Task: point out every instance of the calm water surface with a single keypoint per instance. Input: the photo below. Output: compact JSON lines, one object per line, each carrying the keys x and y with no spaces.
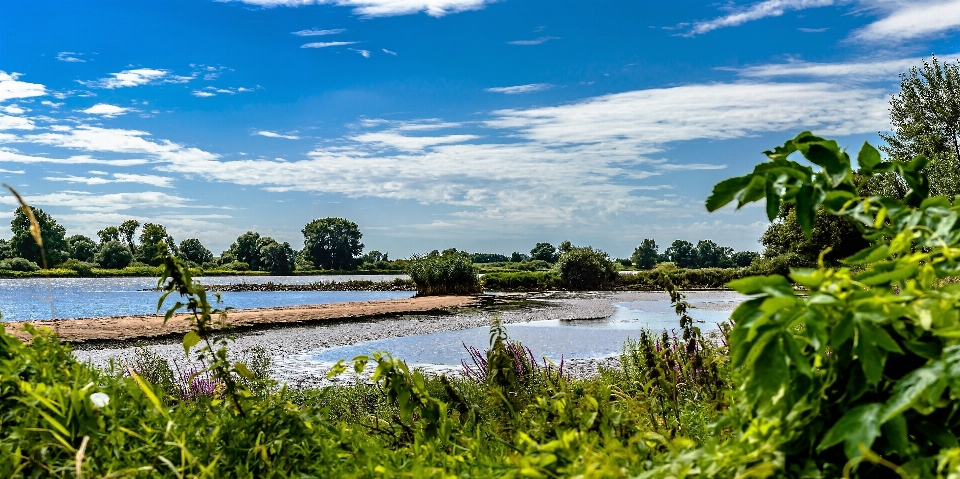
{"x":25,"y":299}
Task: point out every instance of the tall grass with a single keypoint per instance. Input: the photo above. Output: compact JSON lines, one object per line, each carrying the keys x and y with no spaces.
{"x":448,"y":273}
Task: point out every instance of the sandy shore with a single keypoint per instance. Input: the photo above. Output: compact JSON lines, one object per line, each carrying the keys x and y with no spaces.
{"x":292,"y":346}
{"x":121,"y":328}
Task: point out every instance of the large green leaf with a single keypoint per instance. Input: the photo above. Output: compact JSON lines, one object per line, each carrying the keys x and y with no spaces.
{"x":725,"y":192}
{"x":859,"y":425}
{"x":926,"y":381}
{"x":868,"y":156}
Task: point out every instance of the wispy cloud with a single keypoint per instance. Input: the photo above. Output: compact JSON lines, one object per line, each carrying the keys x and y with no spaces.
{"x":11,"y":87}
{"x":514,"y":90}
{"x":106,"y":110}
{"x":394,"y":139}
{"x":12,"y":110}
{"x":812,"y":30}
{"x":51,"y":104}
{"x":756,"y":11}
{"x":535,"y":41}
{"x":12,"y":172}
{"x":214,"y":91}
{"x":8,"y":122}
{"x":95,"y":202}
{"x":69,"y":57}
{"x":862,"y":70}
{"x":388,"y":52}
{"x":383,"y":8}
{"x":326,"y":44}
{"x":364,"y":53}
{"x":912,"y":20}
{"x":313,"y":32}
{"x":270,"y":134}
{"x":152,"y":180}
{"x":13,"y":156}
{"x":136,"y":77}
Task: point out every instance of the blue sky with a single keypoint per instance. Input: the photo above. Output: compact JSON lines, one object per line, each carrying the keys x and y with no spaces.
{"x":475,"y":124}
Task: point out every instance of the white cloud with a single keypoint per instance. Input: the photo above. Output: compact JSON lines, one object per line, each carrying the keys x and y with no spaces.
{"x":384,"y":8}
{"x":764,"y":9}
{"x":69,"y":57}
{"x":326,"y":44}
{"x":106,"y":110}
{"x":365,"y":53}
{"x":153,"y":180}
{"x":11,"y":87}
{"x":136,"y":77}
{"x":12,"y":172}
{"x":12,"y":110}
{"x":513,"y":90}
{"x":396,"y":140}
{"x":202,"y":94}
{"x":867,"y":69}
{"x":13,"y":156}
{"x":812,"y":30}
{"x":213,"y":91}
{"x":95,"y":202}
{"x":313,"y":32}
{"x":912,"y":20}
{"x":690,"y":166}
{"x":51,"y":104}
{"x":535,"y":41}
{"x":8,"y":122}
{"x":388,"y":52}
{"x":270,"y":134}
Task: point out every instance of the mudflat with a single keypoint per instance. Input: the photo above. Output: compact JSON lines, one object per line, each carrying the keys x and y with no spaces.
{"x":152,"y":326}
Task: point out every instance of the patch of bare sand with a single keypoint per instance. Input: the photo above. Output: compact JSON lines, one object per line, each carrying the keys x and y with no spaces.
{"x":153,"y":326}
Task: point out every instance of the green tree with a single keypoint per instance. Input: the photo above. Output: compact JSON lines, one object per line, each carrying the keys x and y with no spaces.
{"x":151,"y":235}
{"x":53,"y":235}
{"x":192,"y":249}
{"x":682,"y":253}
{"x":108,"y":234}
{"x":247,"y":249}
{"x":742,"y":259}
{"x":584,"y":268}
{"x":646,"y":255}
{"x":544,"y":252}
{"x":6,"y":251}
{"x":712,"y":255}
{"x":276,"y":258}
{"x":784,"y":239}
{"x":925,"y":116}
{"x":82,"y":248}
{"x":114,"y":255}
{"x":128,"y":230}
{"x":332,"y":243}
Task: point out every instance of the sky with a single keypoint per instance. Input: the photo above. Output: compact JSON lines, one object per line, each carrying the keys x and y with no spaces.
{"x":482,"y":125}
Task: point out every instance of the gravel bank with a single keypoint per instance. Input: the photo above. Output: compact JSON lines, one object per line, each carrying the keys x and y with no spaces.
{"x":289,"y":346}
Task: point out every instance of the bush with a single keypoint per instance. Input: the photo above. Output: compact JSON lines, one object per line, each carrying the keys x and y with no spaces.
{"x":521,"y":281}
{"x":448,"y":273}
{"x":81,"y":267}
{"x":114,"y":255}
{"x":19,"y":264}
{"x":236,"y":266}
{"x":585,"y":269}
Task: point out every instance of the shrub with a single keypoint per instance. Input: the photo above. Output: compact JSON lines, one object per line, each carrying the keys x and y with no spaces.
{"x":236,"y":266}
{"x":584,"y":268}
{"x":449,"y":273}
{"x":114,"y":255}
{"x":521,"y":281}
{"x":19,"y":264}
{"x":81,"y":267}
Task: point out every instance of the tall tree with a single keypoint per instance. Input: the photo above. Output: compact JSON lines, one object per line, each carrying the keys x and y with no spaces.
{"x":785,"y":238}
{"x":712,"y":255}
{"x":646,"y":255}
{"x":108,"y":234}
{"x":925,"y":116}
{"x":332,"y":243}
{"x":128,"y":230}
{"x":545,"y":252}
{"x":192,"y":249}
{"x":150,"y":236}
{"x":682,"y":253}
{"x":82,"y":248}
{"x":276,"y":258}
{"x":53,"y":235}
{"x":247,"y":249}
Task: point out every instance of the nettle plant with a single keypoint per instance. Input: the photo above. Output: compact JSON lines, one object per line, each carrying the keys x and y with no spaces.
{"x":857,"y":373}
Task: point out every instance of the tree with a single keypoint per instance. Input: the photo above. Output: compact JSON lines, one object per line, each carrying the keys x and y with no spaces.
{"x":247,"y":249}
{"x":6,"y":251}
{"x":489,"y":258}
{"x":544,"y":252}
{"x":711,"y":255}
{"x":585,"y":268}
{"x":82,"y":248}
{"x":646,"y":255}
{"x":742,"y":259}
{"x":925,"y":116}
{"x":53,"y":235}
{"x":518,"y":257}
{"x":785,"y":239}
{"x":277,"y":258}
{"x":150,"y":236}
{"x":127,"y":230}
{"x":682,"y":254}
{"x":114,"y":255}
{"x":192,"y":249}
{"x":332,"y":243}
{"x":564,"y":247}
{"x":108,"y":234}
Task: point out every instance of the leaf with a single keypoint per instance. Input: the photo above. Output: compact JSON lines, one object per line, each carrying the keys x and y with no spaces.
{"x":895,"y":432}
{"x":874,"y":278}
{"x":242,"y":370}
{"x":756,"y":189}
{"x":773,"y":202}
{"x":912,"y":387}
{"x":190,"y":340}
{"x":825,"y":154}
{"x":869,"y":255}
{"x":857,"y":426}
{"x":806,"y":210}
{"x":868,"y":156}
{"x":774,"y":284}
{"x":725,"y":191}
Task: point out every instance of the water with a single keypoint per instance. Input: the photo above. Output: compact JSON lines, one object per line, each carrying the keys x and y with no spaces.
{"x":583,"y":339}
{"x":27,"y":299}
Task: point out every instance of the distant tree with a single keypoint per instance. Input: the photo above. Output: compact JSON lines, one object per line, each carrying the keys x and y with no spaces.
{"x":6,"y":251}
{"x":373,"y":257}
{"x":108,"y":234}
{"x":544,"y":252}
{"x":784,"y":238}
{"x":585,"y":268}
{"x":646,"y":256}
{"x":192,"y":249}
{"x":114,"y":255}
{"x":925,"y":116}
{"x":489,"y":258}
{"x":128,"y":230}
{"x":277,"y":258}
{"x":742,"y":259}
{"x":150,"y":236}
{"x":565,"y":247}
{"x":332,"y":243}
{"x":518,"y":257}
{"x":711,"y":255}
{"x":247,"y":249}
{"x":683,"y":254}
{"x":82,"y":248}
{"x":53,"y":235}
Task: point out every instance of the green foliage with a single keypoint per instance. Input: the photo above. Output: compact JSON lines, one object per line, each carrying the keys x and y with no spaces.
{"x":192,"y":249}
{"x":277,"y":258}
{"x":54,"y":238}
{"x":646,"y":255}
{"x":247,"y":249}
{"x":584,"y":268}
{"x":521,"y":281}
{"x":682,"y":253}
{"x":113,"y":255}
{"x":785,"y":242}
{"x":108,"y":234}
{"x":332,"y":243}
{"x":82,"y":248}
{"x":19,"y":264}
{"x":449,"y":273}
{"x":489,"y":258}
{"x":82,"y":268}
{"x":544,"y":252}
{"x":149,"y":251}
{"x":127,"y":231}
